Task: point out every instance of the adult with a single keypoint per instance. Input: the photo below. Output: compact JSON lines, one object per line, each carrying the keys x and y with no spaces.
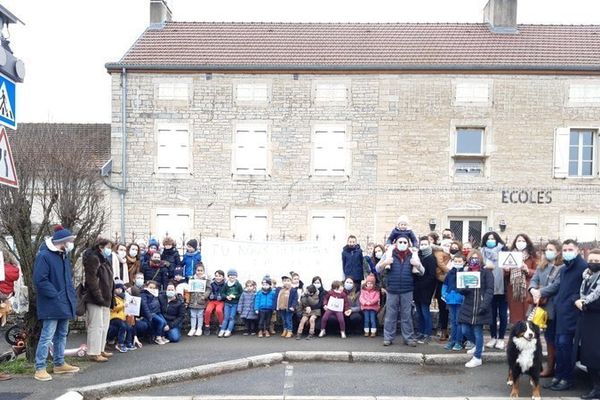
{"x":492,"y":245}
{"x":173,"y":310}
{"x":353,"y":264}
{"x":55,"y":301}
{"x":545,"y":282}
{"x":151,"y":313}
{"x":400,"y":264}
{"x":442,"y":258}
{"x":567,"y":314}
{"x":447,"y":234}
{"x":424,"y":287}
{"x":133,"y":261}
{"x":99,"y":284}
{"x":589,"y":322}
{"x":119,"y":263}
{"x":519,"y":303}
{"x":354,"y":321}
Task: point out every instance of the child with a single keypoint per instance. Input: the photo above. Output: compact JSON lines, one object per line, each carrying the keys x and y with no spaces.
{"x":197,"y":303}
{"x":246,"y":308}
{"x":231,"y":295}
{"x":337,"y":291}
{"x":401,"y":230}
{"x":118,"y":323}
{"x":274,"y":315}
{"x":287,"y":300}
{"x":172,"y":260}
{"x":453,"y":300}
{"x":191,"y":259}
{"x":310,"y":305}
{"x":264,"y":304}
{"x":369,"y":304}
{"x":215,"y":301}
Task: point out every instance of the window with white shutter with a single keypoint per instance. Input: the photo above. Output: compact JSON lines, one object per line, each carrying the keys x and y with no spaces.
{"x":249,"y":224}
{"x":328,"y":226}
{"x":584,"y":93}
{"x":331,"y":93}
{"x":252,"y":92}
{"x":582,"y":229}
{"x":173,"y":222}
{"x":575,"y":153}
{"x":561,"y":152}
{"x":471,"y":92}
{"x":251,"y":149}
{"x":329,"y":150}
{"x":173,"y":153}
{"x":173,"y":91}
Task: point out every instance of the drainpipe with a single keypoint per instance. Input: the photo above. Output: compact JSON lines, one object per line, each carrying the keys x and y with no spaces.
{"x":123,"y":188}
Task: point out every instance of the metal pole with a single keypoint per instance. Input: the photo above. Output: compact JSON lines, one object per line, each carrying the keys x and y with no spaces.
{"x":123,"y":147}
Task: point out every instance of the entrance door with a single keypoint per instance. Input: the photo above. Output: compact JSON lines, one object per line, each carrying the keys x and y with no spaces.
{"x":468,"y":229}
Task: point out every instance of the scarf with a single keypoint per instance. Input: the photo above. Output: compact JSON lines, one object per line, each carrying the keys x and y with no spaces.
{"x":401,"y":254}
{"x":518,"y":282}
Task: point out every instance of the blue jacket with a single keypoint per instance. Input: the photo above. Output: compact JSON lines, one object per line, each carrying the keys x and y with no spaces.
{"x":450,"y":293}
{"x":150,"y":305}
{"x":189,"y":262}
{"x":399,"y":277}
{"x":408,"y":234}
{"x":352,"y":263}
{"x":571,"y":276}
{"x":246,"y":305}
{"x":53,"y":283}
{"x":265,"y":301}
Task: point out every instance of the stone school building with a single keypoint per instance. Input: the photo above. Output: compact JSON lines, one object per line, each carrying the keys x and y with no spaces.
{"x":313,"y":131}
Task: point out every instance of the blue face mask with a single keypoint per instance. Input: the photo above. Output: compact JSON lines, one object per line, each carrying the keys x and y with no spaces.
{"x":491,"y":244}
{"x":106,"y":252}
{"x":569,"y":255}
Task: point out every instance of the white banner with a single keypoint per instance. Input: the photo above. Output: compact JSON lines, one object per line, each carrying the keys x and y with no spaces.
{"x":253,"y":260}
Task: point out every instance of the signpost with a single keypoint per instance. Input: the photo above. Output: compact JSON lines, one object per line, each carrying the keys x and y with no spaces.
{"x":8,"y":173}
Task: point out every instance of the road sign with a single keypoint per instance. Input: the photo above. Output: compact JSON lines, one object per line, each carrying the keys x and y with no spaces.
{"x":7,"y":102}
{"x":8,"y":173}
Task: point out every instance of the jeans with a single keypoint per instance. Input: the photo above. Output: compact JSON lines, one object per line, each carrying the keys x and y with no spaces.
{"x":550,"y":332}
{"x":286,"y":316}
{"x":54,"y":332}
{"x":565,"y":361}
{"x":173,"y":334}
{"x":216,"y":306}
{"x":456,"y":334}
{"x":398,"y":303}
{"x":122,"y":331}
{"x":158,"y":325}
{"x":264,"y":319}
{"x":475,"y":334}
{"x":142,"y":328}
{"x":370,"y":320}
{"x":230,"y":311}
{"x":425,"y":323}
{"x":196,"y":315}
{"x":499,"y":310}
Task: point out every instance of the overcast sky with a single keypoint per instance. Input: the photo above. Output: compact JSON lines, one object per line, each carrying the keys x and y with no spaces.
{"x":65,"y":43}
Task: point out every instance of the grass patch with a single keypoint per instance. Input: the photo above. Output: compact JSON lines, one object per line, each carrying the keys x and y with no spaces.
{"x":21,"y":366}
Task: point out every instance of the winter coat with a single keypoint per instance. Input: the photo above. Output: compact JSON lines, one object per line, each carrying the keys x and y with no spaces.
{"x":407,"y":233}
{"x":99,"y":281}
{"x":354,"y":299}
{"x":442,"y":259}
{"x":450,"y":293}
{"x":477,"y":306}
{"x":159,"y":274}
{"x":400,"y":277}
{"x":11,"y":275}
{"x":265,"y":301}
{"x":370,"y":263}
{"x":425,"y":284}
{"x":199,"y":300}
{"x":588,"y":326}
{"x":53,"y":283}
{"x":235,"y":290}
{"x":216,"y":291}
{"x":333,"y":293}
{"x":189,"y":262}
{"x":352,"y":263}
{"x":173,"y":311}
{"x":150,"y":305}
{"x":306,"y":300}
{"x":369,"y":299}
{"x":293,"y":299}
{"x":547,"y":280}
{"x":518,"y":308}
{"x":117,"y":311}
{"x":246,"y":305}
{"x":571,"y":276}
{"x":172,"y":260}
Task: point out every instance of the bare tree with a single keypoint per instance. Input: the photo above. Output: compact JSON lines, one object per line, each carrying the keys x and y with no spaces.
{"x":58,"y":183}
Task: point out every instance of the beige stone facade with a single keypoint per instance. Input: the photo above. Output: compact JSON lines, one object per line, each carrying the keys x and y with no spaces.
{"x":400,"y":144}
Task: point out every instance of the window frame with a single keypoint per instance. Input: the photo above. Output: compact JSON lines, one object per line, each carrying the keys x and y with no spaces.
{"x":249,"y":213}
{"x":253,"y":101}
{"x":173,"y":100}
{"x":251,"y":126}
{"x":457,"y":159}
{"x":319,"y":99}
{"x":583,"y":101}
{"x":580,"y":220}
{"x":328,"y":214}
{"x":170,"y":212}
{"x":162,"y":125}
{"x":580,"y":146}
{"x":459,"y":85}
{"x":331,"y":127}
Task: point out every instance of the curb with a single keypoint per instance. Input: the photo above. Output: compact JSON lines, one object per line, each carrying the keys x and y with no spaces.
{"x":102,"y":390}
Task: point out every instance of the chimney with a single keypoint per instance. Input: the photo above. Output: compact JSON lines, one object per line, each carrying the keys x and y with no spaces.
{"x":159,"y":12}
{"x":501,"y":15}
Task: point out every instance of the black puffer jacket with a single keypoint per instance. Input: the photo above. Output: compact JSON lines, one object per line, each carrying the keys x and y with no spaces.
{"x":477,"y":306}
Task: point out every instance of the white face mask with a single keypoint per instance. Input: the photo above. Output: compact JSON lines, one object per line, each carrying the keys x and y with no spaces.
{"x":153,"y":292}
{"x":521,"y":245}
{"x":133,"y":252}
{"x":378,"y":254}
{"x":402,"y":246}
{"x":69,"y":246}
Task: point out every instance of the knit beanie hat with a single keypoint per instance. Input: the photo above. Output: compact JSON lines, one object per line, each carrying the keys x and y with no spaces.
{"x":193,"y":243}
{"x":153,"y":242}
{"x":62,"y":235}
{"x":403,"y":219}
{"x":267,"y":281}
{"x":371,"y":278}
{"x":119,"y":284}
{"x":232,"y":272}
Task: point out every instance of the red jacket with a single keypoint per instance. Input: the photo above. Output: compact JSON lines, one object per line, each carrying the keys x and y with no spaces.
{"x":11,"y":275}
{"x":369,"y":299}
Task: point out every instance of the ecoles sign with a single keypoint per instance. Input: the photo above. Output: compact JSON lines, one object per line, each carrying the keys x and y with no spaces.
{"x":527,"y":196}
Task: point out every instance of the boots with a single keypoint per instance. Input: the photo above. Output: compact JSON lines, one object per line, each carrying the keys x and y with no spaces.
{"x":443,"y":335}
{"x":549,"y":369}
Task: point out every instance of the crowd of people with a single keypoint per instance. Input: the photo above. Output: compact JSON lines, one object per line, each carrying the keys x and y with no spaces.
{"x":390,"y":285}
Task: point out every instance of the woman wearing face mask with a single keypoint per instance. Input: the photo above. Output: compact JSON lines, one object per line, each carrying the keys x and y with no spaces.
{"x":354,"y":321}
{"x":492,"y":245}
{"x":424,"y":288}
{"x":151,"y":317}
{"x":119,"y":263}
{"x":544,"y":285}
{"x":517,"y":295}
{"x":99,"y":284}
{"x":133,"y":261}
{"x":173,"y":309}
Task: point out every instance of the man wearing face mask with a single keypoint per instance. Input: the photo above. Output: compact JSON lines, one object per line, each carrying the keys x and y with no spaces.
{"x":55,"y":301}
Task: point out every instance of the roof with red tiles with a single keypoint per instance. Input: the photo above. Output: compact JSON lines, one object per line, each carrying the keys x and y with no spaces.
{"x":359,"y":46}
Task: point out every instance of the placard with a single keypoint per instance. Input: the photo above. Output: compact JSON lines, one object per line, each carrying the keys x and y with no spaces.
{"x":132,"y":305}
{"x":510,"y":259}
{"x":468,"y":280}
{"x":197,"y":285}
{"x":2,"y":274}
{"x":335,"y":304}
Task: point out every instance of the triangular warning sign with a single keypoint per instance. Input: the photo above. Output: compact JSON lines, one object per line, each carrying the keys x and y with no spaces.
{"x":8,"y":173}
{"x":5,"y":107}
{"x":510,"y":261}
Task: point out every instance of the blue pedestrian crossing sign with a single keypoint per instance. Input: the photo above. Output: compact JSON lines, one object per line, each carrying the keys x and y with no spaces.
{"x":7,"y":102}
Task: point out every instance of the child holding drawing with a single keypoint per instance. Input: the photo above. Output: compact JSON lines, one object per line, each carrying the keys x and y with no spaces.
{"x":336,"y":304}
{"x":197,"y":301}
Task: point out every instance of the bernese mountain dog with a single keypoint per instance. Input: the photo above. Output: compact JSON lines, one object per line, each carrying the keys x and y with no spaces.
{"x":524,"y":356}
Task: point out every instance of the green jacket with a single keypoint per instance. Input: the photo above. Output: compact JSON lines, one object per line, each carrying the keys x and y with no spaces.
{"x":236,"y":290}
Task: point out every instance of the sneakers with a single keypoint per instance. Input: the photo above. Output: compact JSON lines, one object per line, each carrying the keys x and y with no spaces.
{"x":322,"y":333}
{"x":131,"y":347}
{"x":449,"y":346}
{"x":246,"y":334}
{"x":165,"y":340}
{"x":192,"y":332}
{"x":457,"y":347}
{"x":221,"y":333}
{"x":121,"y":348}
{"x":491,"y":344}
{"x":373,"y":333}
{"x":475,"y":362}
{"x":159,"y":340}
{"x":472,"y":351}
{"x":260,"y":334}
{"x":284,"y":333}
{"x":65,"y":369}
{"x":106,"y":354}
{"x":411,"y":343}
{"x":227,"y":334}
{"x":387,"y":342}
{"x":298,"y":336}
{"x":424,"y":339}
{"x":98,"y":359}
{"x":500,"y":344}
{"x":343,"y":334}
{"x":367,"y":332}
{"x":469,"y":345}
{"x":198,"y":332}
{"x":267,"y":334}
{"x":42,"y":375}
{"x":289,"y":335}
